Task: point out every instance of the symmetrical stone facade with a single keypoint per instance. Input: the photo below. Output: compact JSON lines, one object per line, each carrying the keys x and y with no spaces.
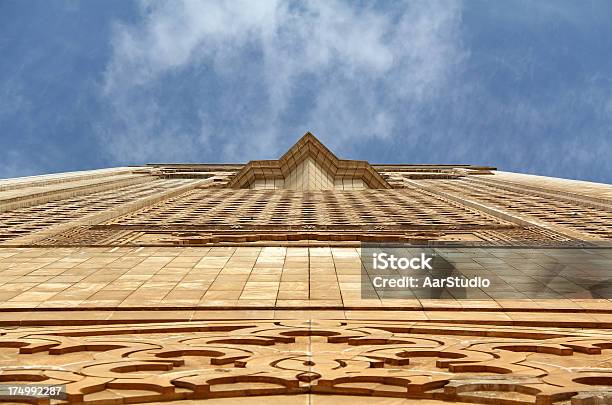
{"x":232,"y":283}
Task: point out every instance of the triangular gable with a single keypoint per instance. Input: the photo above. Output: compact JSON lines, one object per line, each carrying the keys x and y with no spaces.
{"x":308,"y":165}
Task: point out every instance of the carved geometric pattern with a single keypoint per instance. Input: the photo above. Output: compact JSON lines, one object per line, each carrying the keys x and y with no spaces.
{"x":409,"y":206}
{"x":23,"y":221}
{"x":529,"y":235}
{"x":583,"y":218}
{"x":87,"y":236}
{"x":198,"y":360}
{"x":112,"y":235}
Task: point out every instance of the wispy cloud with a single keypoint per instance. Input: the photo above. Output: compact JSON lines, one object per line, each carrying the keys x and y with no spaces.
{"x":259,"y":73}
{"x":525,"y":87}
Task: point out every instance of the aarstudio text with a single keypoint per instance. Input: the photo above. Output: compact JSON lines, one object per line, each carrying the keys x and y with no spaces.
{"x":430,"y":282}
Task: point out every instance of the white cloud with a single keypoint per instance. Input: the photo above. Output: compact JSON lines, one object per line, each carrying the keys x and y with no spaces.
{"x":354,"y":64}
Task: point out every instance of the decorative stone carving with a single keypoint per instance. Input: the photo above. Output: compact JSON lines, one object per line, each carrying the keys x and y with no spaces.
{"x":198,"y":360}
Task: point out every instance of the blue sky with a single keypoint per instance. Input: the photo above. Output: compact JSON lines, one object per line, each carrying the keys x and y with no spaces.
{"x":522,"y":85}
